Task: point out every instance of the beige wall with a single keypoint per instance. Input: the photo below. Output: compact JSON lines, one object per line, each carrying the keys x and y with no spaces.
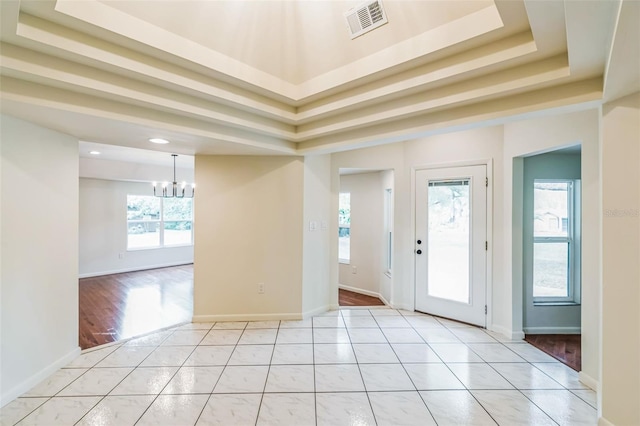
{"x":103,"y":231}
{"x":317,"y":252}
{"x":39,"y":278}
{"x":248,"y":218}
{"x":620,"y":260}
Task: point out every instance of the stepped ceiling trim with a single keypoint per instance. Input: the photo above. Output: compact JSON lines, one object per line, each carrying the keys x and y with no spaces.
{"x":139,"y":73}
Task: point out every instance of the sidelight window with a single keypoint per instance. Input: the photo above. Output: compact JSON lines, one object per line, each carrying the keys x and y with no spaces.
{"x":344,"y":227}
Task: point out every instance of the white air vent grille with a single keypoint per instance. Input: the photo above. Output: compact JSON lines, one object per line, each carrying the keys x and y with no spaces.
{"x":365,"y":18}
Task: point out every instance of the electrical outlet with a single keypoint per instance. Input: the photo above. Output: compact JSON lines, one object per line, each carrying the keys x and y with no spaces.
{"x":260,"y":288}
{"x":354,"y":269}
{"x":121,"y":255}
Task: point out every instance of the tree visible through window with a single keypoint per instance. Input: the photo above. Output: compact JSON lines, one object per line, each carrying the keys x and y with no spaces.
{"x":154,"y":222}
{"x":344,"y":227}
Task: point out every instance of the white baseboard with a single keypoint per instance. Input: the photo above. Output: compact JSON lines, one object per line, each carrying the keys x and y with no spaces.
{"x":604,"y":422}
{"x":587,"y":380}
{"x":317,"y":311}
{"x":246,"y":317}
{"x":552,"y":330}
{"x":30,"y":382}
{"x":359,"y":290}
{"x":132,"y":269}
{"x":384,"y":300}
{"x":405,"y":307}
{"x":511,"y":334}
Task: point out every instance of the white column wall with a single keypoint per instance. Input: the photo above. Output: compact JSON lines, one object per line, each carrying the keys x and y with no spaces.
{"x":316,"y":266}
{"x":39,"y":274}
{"x":620,"y":259}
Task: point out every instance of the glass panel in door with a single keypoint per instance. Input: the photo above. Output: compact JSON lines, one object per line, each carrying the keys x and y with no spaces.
{"x":449,"y":240}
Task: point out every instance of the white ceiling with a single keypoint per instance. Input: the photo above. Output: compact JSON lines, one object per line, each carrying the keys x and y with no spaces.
{"x":133,"y":155}
{"x":243,"y":77}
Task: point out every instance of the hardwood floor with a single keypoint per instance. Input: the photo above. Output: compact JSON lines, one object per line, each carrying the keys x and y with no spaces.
{"x":350,"y":298}
{"x":566,"y":348}
{"x":115,"y":307}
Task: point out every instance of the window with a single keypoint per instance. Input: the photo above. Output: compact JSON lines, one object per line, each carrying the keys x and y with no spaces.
{"x":344,"y":227}
{"x":555,"y":246}
{"x":154,"y":222}
{"x":388,"y":229}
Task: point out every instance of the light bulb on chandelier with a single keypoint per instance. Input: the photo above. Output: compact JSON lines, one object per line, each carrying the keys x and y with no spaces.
{"x":174,"y":192}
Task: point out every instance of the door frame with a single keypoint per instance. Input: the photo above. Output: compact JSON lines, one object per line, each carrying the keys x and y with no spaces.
{"x":489,"y":259}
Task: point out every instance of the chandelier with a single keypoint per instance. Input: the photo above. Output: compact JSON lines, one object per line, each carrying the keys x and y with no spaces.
{"x":174,"y":192}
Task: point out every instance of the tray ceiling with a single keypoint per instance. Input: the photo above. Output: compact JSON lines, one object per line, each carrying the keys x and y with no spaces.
{"x":284,"y":77}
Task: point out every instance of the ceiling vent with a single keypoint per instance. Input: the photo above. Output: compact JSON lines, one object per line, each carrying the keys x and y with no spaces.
{"x":366,"y":17}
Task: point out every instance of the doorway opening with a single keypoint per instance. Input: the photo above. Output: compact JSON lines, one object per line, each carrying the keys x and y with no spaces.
{"x":365,"y":226}
{"x":551,"y":253}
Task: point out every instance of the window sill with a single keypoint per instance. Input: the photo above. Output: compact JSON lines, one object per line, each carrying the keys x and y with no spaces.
{"x":159,"y":247}
{"x":556,"y":304}
{"x":344,"y":262}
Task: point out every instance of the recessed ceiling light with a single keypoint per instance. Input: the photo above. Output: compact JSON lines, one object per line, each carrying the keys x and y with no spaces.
{"x":94,"y":152}
{"x":158,"y":140}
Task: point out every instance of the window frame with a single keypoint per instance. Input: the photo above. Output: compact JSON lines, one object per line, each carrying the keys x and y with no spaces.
{"x":160,"y":224}
{"x":344,"y":226}
{"x":388,"y":231}
{"x":572,"y":239}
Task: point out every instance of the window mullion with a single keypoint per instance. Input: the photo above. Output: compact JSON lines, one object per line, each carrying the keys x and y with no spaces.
{"x":161,"y":222}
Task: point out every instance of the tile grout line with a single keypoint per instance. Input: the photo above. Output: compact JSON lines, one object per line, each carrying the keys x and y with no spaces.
{"x":451,"y":371}
{"x":402,"y":364}
{"x":364,"y":385}
{"x":174,"y":374}
{"x":103,"y":397}
{"x":214,"y":385}
{"x":313,"y":360}
{"x":468,"y":345}
{"x":266,"y":379}
{"x":508,"y":381}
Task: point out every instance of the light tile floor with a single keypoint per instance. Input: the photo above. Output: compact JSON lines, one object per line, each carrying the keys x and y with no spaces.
{"x":348,"y":367}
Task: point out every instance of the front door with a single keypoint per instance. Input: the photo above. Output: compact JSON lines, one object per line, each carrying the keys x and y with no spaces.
{"x":451,"y":242}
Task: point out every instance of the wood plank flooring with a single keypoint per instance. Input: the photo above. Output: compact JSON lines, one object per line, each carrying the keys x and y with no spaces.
{"x":115,"y":307}
{"x":350,"y":298}
{"x":120,"y":306}
{"x":566,"y":348}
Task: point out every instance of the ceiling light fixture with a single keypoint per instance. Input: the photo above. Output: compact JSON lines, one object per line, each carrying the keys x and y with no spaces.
{"x":159,"y":141}
{"x":175,"y":191}
{"x":94,"y":152}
